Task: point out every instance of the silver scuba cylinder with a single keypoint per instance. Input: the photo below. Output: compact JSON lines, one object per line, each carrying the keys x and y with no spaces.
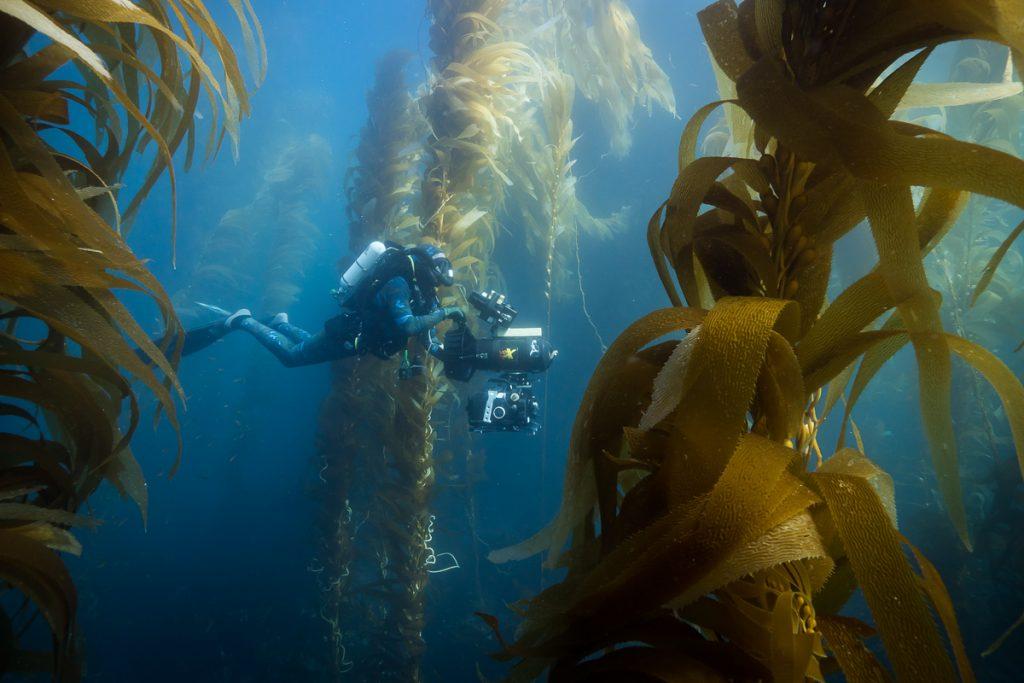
{"x":362,"y":268}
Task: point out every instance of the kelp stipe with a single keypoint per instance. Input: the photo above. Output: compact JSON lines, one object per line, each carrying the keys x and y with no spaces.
{"x":543,"y":205}
{"x":63,"y":260}
{"x":359,"y":531}
{"x":708,"y":538}
{"x":467,"y":108}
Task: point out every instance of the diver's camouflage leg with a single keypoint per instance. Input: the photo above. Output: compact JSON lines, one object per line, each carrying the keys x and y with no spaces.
{"x":277,"y":343}
{"x":316,"y":349}
{"x":296,"y":334}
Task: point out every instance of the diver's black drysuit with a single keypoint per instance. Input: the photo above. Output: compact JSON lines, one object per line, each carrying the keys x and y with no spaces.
{"x":392,"y":315}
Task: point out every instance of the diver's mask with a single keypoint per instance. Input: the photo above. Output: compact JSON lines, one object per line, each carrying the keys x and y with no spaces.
{"x":436,"y":263}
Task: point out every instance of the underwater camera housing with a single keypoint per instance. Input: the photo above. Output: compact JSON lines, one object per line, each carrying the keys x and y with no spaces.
{"x":493,"y":309}
{"x":508,"y":404}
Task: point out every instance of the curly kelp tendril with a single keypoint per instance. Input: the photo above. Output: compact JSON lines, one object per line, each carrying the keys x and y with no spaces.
{"x":432,"y":556}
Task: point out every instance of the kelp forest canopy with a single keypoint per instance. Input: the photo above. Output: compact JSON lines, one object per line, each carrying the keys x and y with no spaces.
{"x":107,"y":80}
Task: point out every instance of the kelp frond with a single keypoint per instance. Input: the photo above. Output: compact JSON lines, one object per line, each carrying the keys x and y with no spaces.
{"x":63,"y":258}
{"x":381,"y":185}
{"x":602,"y":49}
{"x":544,"y":185}
{"x":706,"y":539}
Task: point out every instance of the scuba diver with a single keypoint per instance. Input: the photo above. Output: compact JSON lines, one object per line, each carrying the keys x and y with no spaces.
{"x":388,"y":296}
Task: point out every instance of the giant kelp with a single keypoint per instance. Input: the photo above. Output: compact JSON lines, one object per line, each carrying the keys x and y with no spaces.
{"x":380,"y":185}
{"x":300,"y":179}
{"x":467,"y":108}
{"x":600,"y":46}
{"x":543,"y":202}
{"x":471,"y":108}
{"x":956,"y":266}
{"x":499,"y":152}
{"x":356,"y":434}
{"x":504,"y":100}
{"x":711,"y":538}
{"x":136,"y":72}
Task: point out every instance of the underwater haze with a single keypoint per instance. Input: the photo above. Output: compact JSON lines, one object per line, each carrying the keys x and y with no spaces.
{"x":229,"y":577}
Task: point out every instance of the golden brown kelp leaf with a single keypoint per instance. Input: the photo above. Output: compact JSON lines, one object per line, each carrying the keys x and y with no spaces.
{"x":63,"y":260}
{"x":991,"y":649}
{"x":873,"y":547}
{"x":995,"y":261}
{"x":579,"y":492}
{"x":891,"y":215}
{"x":747,"y":239}
{"x":40,"y":574}
{"x":935,"y":589}
{"x":678,"y":558}
{"x":819,"y":128}
{"x":845,"y":638}
{"x":725,"y":366}
{"x":64,"y":22}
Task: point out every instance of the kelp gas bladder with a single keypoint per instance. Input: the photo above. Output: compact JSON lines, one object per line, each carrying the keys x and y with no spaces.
{"x":67,"y":343}
{"x":709,"y":534}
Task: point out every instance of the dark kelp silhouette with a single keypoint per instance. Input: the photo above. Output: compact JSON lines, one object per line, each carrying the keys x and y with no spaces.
{"x":356,"y":439}
{"x":258,"y":253}
{"x":710,"y":537}
{"x":67,"y":344}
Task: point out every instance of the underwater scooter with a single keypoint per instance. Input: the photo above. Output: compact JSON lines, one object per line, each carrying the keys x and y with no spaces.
{"x":508,"y":404}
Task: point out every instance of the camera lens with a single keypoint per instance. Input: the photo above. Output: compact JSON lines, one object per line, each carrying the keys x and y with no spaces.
{"x":498,"y":413}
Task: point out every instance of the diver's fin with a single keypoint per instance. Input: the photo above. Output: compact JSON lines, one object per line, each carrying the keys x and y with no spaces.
{"x":214,"y":309}
{"x":199,"y":338}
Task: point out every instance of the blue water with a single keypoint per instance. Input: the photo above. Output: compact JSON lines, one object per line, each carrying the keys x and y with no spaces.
{"x":220,"y":585}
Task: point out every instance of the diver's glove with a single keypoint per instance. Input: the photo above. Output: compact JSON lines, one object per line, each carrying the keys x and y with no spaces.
{"x":454,"y":313}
